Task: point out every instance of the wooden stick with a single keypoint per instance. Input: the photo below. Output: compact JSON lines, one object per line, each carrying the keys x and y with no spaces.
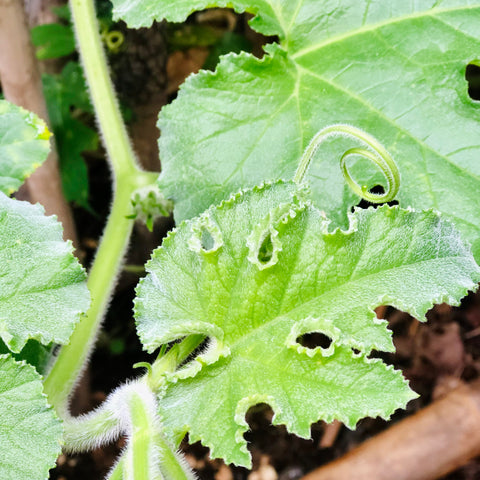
{"x":435,"y":441}
{"x":21,"y":84}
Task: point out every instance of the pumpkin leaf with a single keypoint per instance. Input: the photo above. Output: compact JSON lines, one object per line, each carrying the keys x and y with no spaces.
{"x":29,"y":428}
{"x":262,"y":269}
{"x":396,"y":71}
{"x":42,"y":285}
{"x":24,"y":145}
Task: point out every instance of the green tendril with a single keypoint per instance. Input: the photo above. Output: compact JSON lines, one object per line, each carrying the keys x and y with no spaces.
{"x":375,"y":152}
{"x":145,"y":365}
{"x":114,"y":39}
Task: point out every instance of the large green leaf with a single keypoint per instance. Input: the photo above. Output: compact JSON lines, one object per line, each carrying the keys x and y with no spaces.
{"x":259,"y":271}
{"x":395,"y":69}
{"x":24,"y":145}
{"x":30,"y":433}
{"x":42,"y":285}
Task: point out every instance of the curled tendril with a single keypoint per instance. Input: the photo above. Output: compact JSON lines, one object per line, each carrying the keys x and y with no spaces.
{"x":375,"y":152}
{"x":113,"y":39}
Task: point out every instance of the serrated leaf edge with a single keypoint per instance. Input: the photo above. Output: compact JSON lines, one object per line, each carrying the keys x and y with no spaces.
{"x":48,"y":407}
{"x":66,"y":248}
{"x":245,"y":403}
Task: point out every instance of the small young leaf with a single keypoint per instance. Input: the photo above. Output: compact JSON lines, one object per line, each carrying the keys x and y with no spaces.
{"x":24,"y":145}
{"x":30,"y":432}
{"x":42,"y":285}
{"x":313,"y":281}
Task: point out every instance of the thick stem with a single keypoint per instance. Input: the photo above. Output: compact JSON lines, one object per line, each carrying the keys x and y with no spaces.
{"x":117,"y":472}
{"x":94,"y":61}
{"x":106,"y":423}
{"x":72,"y":357}
{"x":149,"y":456}
{"x":171,"y":466}
{"x":131,"y":410}
{"x":141,"y":440}
{"x":127,"y":177}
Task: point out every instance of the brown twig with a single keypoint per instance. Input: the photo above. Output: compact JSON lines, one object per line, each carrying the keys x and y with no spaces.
{"x":21,"y":84}
{"x":433,"y":442}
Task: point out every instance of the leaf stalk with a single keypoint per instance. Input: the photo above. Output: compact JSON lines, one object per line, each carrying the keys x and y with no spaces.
{"x":127,"y":177}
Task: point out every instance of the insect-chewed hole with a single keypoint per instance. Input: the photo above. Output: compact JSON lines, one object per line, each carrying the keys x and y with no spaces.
{"x":472,"y":76}
{"x":259,"y":415}
{"x":207,"y":240}
{"x":314,"y":340}
{"x":259,"y":418}
{"x":379,"y":190}
{"x":386,"y":357}
{"x":265,"y":252}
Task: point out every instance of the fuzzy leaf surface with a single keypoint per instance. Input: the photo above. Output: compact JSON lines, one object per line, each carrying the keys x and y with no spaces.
{"x":395,"y":69}
{"x":42,"y":285}
{"x":30,"y":432}
{"x":219,"y":275}
{"x":24,"y":145}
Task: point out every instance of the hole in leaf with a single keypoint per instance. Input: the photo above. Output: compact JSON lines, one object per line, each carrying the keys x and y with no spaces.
{"x":472,"y":75}
{"x":356,"y":351}
{"x":314,"y":340}
{"x":265,"y":252}
{"x":259,"y":416}
{"x":207,"y":240}
{"x":387,"y":357}
{"x":379,"y":190}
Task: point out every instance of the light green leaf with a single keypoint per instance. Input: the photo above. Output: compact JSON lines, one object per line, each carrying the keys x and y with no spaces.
{"x":24,"y":145}
{"x":42,"y":285}
{"x":30,"y":432}
{"x":395,"y":69}
{"x":259,"y":271}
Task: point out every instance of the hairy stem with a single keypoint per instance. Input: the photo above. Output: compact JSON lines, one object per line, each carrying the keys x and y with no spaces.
{"x":117,"y":472}
{"x":141,"y":440}
{"x":127,"y":177}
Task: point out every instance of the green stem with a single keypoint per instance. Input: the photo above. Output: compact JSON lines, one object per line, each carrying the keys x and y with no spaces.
{"x":127,"y":177}
{"x":140,"y":443}
{"x":104,"y":100}
{"x":376,"y":153}
{"x":171,"y":466}
{"x":117,"y":472}
{"x":143,"y":463}
{"x":104,"y":424}
{"x":148,"y":455}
